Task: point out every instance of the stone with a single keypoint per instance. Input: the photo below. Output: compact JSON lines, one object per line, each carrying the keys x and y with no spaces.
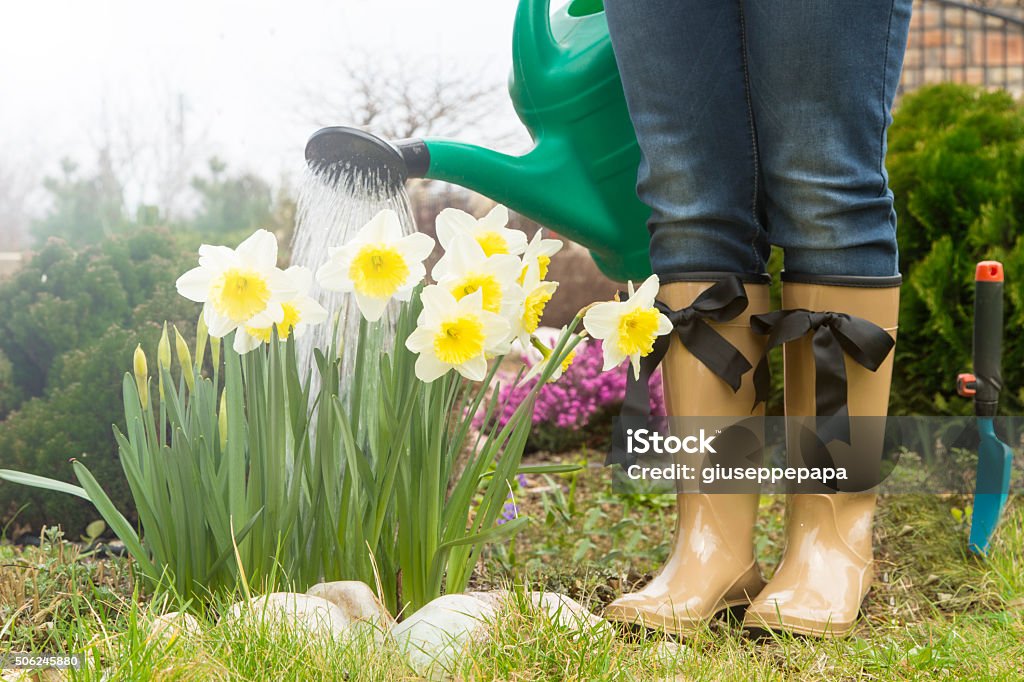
{"x":433,"y":638}
{"x":358,"y":602}
{"x":567,"y":612}
{"x":172,"y":625}
{"x":496,"y":598}
{"x":314,"y":614}
{"x":668,"y":653}
{"x":560,"y":609}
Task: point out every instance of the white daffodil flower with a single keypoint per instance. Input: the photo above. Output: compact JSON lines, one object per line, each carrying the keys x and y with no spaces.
{"x":490,"y":232}
{"x":465,"y":268}
{"x":546,"y":355}
{"x":299,"y":314}
{"x":378,"y":264}
{"x":539,"y":252}
{"x":236,"y":285}
{"x":628,"y":328}
{"x":535,"y":296}
{"x":454,"y":334}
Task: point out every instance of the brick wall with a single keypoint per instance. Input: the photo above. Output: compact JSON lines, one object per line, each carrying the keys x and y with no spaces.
{"x":949,"y":43}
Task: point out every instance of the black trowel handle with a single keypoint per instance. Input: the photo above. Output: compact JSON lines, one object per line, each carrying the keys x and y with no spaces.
{"x":988,"y":336}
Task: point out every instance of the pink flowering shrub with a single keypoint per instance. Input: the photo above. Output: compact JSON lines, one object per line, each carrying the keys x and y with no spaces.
{"x":579,"y":407}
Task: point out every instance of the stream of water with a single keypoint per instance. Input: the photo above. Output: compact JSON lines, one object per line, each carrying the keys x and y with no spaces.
{"x":330,"y":211}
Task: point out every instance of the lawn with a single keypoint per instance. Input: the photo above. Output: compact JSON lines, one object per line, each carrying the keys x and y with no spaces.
{"x":934,"y":611}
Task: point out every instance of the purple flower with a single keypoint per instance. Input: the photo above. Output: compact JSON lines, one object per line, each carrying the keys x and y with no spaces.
{"x":583,"y":392}
{"x":508,"y":512}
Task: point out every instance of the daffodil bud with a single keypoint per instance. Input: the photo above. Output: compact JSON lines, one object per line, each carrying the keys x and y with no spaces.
{"x":185,"y":360}
{"x":163,"y":359}
{"x":163,"y":350}
{"x":141,"y":376}
{"x":222,"y":421}
{"x":202,"y":336}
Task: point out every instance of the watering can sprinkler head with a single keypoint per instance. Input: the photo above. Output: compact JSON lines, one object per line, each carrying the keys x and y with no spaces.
{"x":335,"y":149}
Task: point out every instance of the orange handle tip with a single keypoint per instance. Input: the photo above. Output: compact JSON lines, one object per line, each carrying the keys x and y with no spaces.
{"x":989,"y":271}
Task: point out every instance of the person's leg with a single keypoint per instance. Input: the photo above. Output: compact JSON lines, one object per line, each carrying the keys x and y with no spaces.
{"x":683,"y":73}
{"x":684,"y":76}
{"x":827,"y":566}
{"x":823,"y":75}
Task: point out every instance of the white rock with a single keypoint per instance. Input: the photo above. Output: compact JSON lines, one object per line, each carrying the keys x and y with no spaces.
{"x":433,"y":638}
{"x":668,"y":653}
{"x":496,"y":598}
{"x":315,"y":614}
{"x":172,"y":625}
{"x":560,"y":609}
{"x":567,"y":612}
{"x":357,"y":601}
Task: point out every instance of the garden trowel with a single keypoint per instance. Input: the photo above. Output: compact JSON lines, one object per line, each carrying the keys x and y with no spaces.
{"x":994,"y":456}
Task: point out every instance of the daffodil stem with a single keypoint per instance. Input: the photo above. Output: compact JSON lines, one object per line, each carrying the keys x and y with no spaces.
{"x":362,"y":355}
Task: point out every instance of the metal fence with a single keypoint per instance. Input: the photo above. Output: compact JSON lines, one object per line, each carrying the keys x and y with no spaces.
{"x":965,"y":43}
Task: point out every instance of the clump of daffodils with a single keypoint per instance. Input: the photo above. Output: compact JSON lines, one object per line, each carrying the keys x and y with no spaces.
{"x":489,"y":292}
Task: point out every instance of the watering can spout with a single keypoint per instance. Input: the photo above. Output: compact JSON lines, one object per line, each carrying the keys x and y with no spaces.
{"x":333,"y":150}
{"x":521,"y":182}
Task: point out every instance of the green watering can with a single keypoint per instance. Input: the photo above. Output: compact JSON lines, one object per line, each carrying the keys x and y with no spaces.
{"x":580,"y":177}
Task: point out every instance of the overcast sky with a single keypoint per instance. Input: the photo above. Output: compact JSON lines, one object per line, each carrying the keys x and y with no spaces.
{"x":68,"y":66}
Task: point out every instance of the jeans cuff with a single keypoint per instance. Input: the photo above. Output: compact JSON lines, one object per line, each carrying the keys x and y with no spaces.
{"x":745,"y":277}
{"x":843,"y":280}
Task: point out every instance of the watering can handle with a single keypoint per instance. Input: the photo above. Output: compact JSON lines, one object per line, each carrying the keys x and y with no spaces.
{"x":532,"y":39}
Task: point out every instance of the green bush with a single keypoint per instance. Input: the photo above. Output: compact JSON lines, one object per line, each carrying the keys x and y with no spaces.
{"x":62,"y":298}
{"x":70,"y":337}
{"x":956,"y":167}
{"x":10,"y":394}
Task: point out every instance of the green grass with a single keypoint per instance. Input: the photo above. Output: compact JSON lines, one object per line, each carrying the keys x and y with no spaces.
{"x":935,"y":611}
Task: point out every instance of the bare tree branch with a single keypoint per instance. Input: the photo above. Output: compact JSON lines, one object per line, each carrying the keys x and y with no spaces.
{"x":154,"y":149}
{"x":400,"y":99}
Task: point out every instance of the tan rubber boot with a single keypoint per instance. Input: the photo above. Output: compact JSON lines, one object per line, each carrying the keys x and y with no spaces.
{"x":711,"y":566}
{"x":827,"y":566}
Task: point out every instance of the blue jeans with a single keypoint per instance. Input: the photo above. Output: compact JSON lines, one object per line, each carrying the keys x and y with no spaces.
{"x":764,"y":122}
